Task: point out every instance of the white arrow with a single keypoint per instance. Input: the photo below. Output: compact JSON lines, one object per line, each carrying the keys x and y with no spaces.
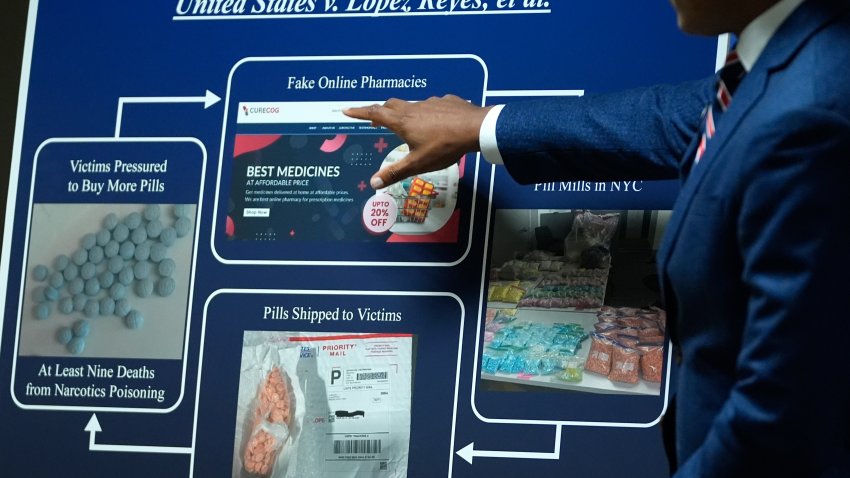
{"x":93,"y":427}
{"x":469,"y":452}
{"x":208,"y":100}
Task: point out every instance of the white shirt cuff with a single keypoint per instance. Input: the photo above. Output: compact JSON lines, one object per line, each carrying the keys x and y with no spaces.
{"x":487,"y":136}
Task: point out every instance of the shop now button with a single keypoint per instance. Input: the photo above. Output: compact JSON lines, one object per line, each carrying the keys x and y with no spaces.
{"x":255,"y":212}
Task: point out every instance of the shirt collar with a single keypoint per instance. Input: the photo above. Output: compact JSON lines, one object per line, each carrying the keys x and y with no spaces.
{"x":755,"y":36}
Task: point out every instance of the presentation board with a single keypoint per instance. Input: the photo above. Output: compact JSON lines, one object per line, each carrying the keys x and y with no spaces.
{"x":199,"y":281}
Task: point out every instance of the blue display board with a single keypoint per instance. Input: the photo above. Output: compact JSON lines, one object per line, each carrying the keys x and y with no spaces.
{"x":199,"y":281}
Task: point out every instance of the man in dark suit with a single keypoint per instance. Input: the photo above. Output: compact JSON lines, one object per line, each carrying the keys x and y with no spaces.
{"x":756,"y":258}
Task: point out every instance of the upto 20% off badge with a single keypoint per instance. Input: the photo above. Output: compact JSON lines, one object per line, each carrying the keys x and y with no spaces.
{"x":379,"y":213}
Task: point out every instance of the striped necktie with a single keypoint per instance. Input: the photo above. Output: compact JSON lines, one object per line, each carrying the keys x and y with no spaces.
{"x":728,"y":79}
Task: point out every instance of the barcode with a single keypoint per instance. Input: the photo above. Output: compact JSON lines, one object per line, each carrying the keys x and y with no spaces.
{"x":356,"y":446}
{"x":372,"y":376}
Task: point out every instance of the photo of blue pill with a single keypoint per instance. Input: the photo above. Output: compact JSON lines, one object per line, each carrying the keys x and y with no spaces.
{"x":126,"y":275}
{"x":107,"y":306}
{"x":106,"y":279}
{"x":88,"y":270}
{"x":80,"y":257}
{"x":111,"y":249}
{"x":96,"y":255}
{"x":144,"y":287}
{"x":56,"y":280}
{"x":81,"y":328}
{"x":66,"y":305}
{"x":143,"y":252}
{"x":182,"y":225}
{"x":117,"y":291}
{"x":76,"y":346}
{"x":71,"y":272}
{"x":168,"y":236}
{"x":151,"y":212}
{"x":120,"y":233}
{"x":154,"y":228}
{"x":133,"y":220}
{"x":42,"y":311}
{"x":139,"y":235}
{"x":134,"y":319}
{"x":166,"y":267}
{"x":115,"y":264}
{"x":76,"y":286}
{"x":110,"y":222}
{"x":126,"y":250}
{"x":142,"y":270}
{"x":64,"y":335}
{"x":92,"y":308}
{"x":103,"y":236}
{"x":122,"y":307}
{"x":88,"y":241}
{"x":180,"y":210}
{"x":165,"y":286}
{"x":80,"y":302}
{"x":51,"y":294}
{"x":61,"y":262}
{"x":40,"y":272}
{"x":92,"y":287}
{"x":158,"y":252}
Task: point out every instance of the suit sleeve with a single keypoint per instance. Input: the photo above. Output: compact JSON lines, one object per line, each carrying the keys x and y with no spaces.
{"x":788,"y":411}
{"x":637,"y":134}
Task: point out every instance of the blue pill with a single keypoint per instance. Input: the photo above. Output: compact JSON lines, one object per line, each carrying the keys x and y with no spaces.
{"x":144,"y":287}
{"x":133,"y":220}
{"x":134,"y":319}
{"x":42,"y":311}
{"x":111,"y":249}
{"x":126,"y":250}
{"x":76,"y":345}
{"x":89,"y":240}
{"x":92,"y":308}
{"x":126,"y":275}
{"x":106,"y":279}
{"x":71,"y":272}
{"x":81,"y":328}
{"x":151,"y":212}
{"x":66,"y":305}
{"x":181,"y":210}
{"x":121,"y":233}
{"x":139,"y":235}
{"x":117,"y":291}
{"x":103,"y":236}
{"x":76,"y":286}
{"x":182,"y":225}
{"x":80,"y":257}
{"x":107,"y":306}
{"x":122,"y":307}
{"x":143,"y":251}
{"x":88,"y":270}
{"x":168,"y":236}
{"x":64,"y":335}
{"x":61,"y":262}
{"x":51,"y":294}
{"x":166,"y":267}
{"x":110,"y":222}
{"x":56,"y":280}
{"x":142,"y":270}
{"x":92,"y":287}
{"x":158,"y":252}
{"x":115,"y":264}
{"x":40,"y":272}
{"x":165,"y":286}
{"x":80,"y":302}
{"x":96,"y":255}
{"x":154,"y":228}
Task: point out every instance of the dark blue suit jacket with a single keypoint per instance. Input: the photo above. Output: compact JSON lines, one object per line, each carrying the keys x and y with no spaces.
{"x":756,"y":257}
